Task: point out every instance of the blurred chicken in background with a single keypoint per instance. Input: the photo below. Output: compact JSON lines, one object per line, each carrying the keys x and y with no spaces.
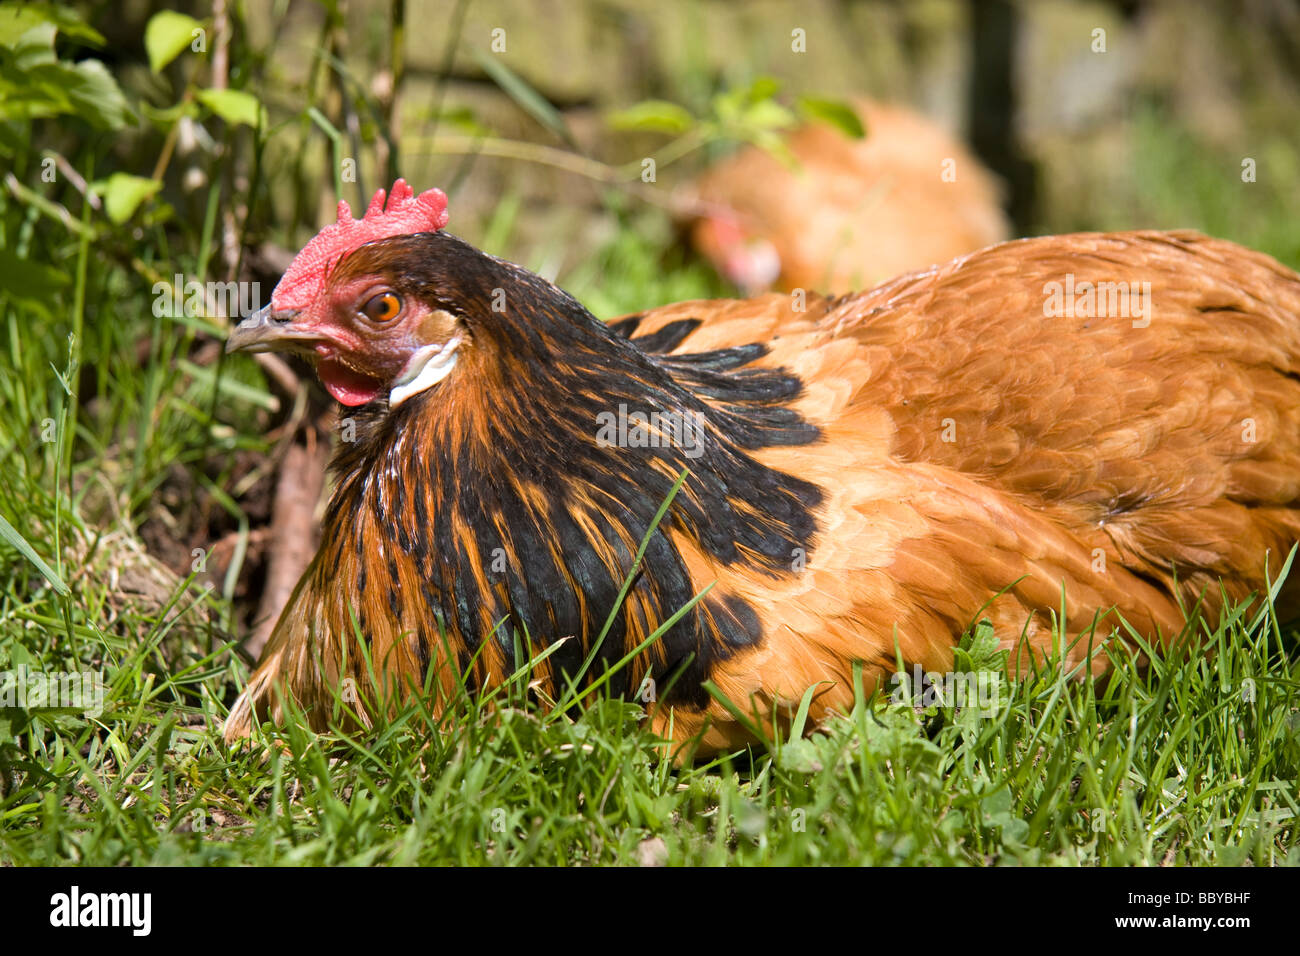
{"x":854,"y":213}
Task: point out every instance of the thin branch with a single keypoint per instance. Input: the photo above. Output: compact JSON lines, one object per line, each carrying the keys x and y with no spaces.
{"x":78,"y":181}
{"x":293,"y":534}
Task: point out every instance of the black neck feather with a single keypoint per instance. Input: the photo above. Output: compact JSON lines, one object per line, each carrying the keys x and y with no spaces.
{"x":555,"y":513}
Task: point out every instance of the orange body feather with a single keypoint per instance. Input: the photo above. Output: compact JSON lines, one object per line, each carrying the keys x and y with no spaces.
{"x":949,"y":435}
{"x":851,"y":212}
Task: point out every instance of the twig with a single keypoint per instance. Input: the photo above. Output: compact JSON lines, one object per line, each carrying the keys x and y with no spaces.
{"x":78,"y":181}
{"x":169,"y":147}
{"x":220,"y":44}
{"x":48,"y":206}
{"x":302,"y":478}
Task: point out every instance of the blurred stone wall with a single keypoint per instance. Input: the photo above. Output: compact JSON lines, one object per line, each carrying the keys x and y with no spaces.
{"x":1229,"y":71}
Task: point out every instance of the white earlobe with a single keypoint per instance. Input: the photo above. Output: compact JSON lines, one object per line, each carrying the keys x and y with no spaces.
{"x":427,"y":367}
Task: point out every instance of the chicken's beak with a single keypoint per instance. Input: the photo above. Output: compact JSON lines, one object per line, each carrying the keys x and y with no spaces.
{"x":268,"y":330}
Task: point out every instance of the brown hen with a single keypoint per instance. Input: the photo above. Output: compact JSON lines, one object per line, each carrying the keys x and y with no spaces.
{"x":1112,"y":418}
{"x":852,"y":212}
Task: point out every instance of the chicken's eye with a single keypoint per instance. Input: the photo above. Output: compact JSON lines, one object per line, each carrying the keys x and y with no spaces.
{"x":383,"y":307}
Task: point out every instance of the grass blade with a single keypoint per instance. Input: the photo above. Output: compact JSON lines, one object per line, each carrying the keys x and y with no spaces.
{"x":10,"y":534}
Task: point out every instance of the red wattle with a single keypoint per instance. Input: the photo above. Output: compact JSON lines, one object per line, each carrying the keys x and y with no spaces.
{"x":348,"y":387}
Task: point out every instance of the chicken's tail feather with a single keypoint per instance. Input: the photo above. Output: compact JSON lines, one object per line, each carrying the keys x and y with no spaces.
{"x":239,"y":723}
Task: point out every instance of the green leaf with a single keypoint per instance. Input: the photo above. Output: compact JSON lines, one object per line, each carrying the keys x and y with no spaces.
{"x":997,"y":805}
{"x":17,"y":19}
{"x":97,"y":97}
{"x":519,"y":90}
{"x":34,"y":84}
{"x":731,"y":103}
{"x":164,"y":117}
{"x":35,"y":47}
{"x":800,"y":756}
{"x":167,"y":35}
{"x":835,"y":112}
{"x":234,"y":106}
{"x":9,"y":533}
{"x":1014,"y":830}
{"x":763,"y":88}
{"x":658,"y":116}
{"x":767,"y":115}
{"x":123,"y":194}
{"x":749,"y":113}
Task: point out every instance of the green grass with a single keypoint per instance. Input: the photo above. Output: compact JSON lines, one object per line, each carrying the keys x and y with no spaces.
{"x":1184,"y":763}
{"x":1194,"y":761}
{"x":1173,"y":180}
{"x":118,"y":427}
{"x":1177,"y":764}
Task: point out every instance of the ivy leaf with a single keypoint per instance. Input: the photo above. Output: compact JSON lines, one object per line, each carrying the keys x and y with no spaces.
{"x":835,"y":112}
{"x":167,"y":35}
{"x":234,"y":106}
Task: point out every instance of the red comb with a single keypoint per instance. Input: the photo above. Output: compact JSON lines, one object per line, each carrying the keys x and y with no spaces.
{"x":406,"y":213}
